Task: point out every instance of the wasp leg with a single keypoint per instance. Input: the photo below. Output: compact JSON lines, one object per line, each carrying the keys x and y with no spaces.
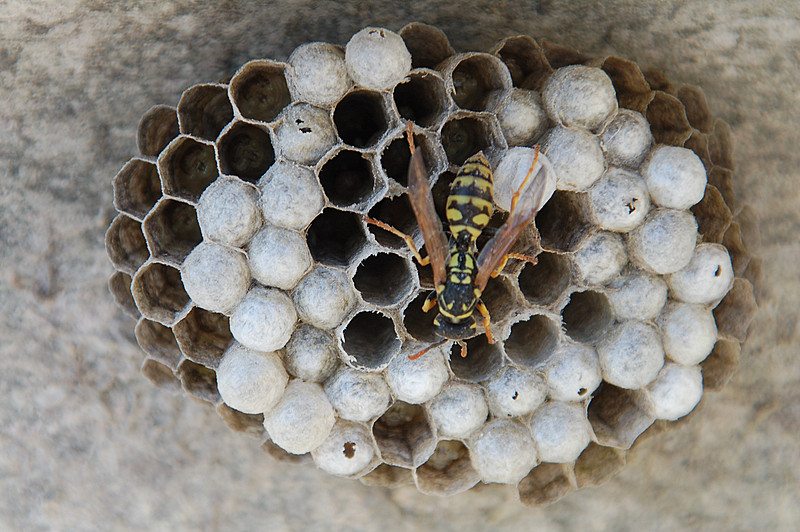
{"x":463,"y":348}
{"x":420,"y":353}
{"x":410,"y":136}
{"x":518,"y":192}
{"x":526,"y":258}
{"x":486,"y":320}
{"x":397,"y":232}
{"x":430,"y":302}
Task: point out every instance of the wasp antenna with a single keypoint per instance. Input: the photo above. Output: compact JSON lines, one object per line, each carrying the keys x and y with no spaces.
{"x":410,"y":136}
{"x":463,"y":348}
{"x":420,"y":353}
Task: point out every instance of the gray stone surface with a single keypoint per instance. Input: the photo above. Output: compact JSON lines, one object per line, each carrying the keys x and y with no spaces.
{"x":86,"y":443}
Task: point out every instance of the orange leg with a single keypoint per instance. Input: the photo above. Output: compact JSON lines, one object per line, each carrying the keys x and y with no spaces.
{"x":486,"y":320}
{"x":515,"y":197}
{"x":463,"y":348}
{"x":420,"y":353}
{"x":397,"y":232}
{"x":526,"y":258}
{"x":430,"y":302}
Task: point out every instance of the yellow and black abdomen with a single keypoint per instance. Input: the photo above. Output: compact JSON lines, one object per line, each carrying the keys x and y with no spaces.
{"x":469,"y":205}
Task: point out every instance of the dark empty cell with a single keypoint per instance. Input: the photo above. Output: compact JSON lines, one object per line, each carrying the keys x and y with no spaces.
{"x":397,"y":155}
{"x":199,"y":381}
{"x":190,"y":167}
{"x":525,"y":61}
{"x":347,"y":179}
{"x":173,"y":230}
{"x":360,"y":118}
{"x":137,"y":188}
{"x":204,"y":111}
{"x":157,"y":128}
{"x":397,"y":213}
{"x":424,"y":273}
{"x":427,"y":45}
{"x":203,"y":336}
{"x":334,"y":237}
{"x":498,"y":299}
{"x":383,"y":279}
{"x":616,"y":419}
{"x":402,"y":433}
{"x":482,"y":361}
{"x":159,"y":292}
{"x":246,"y":152}
{"x":562,"y":222}
{"x":533,"y":342}
{"x":440,"y":191}
{"x":370,"y":338}
{"x":260,"y":91}
{"x":125,"y":244}
{"x":160,"y":375}
{"x":543,"y":282}
{"x":587,"y":316}
{"x":474,"y":78}
{"x":120,"y":287}
{"x":464,"y":137}
{"x":158,"y":342}
{"x":420,"y":98}
{"x":419,"y":324}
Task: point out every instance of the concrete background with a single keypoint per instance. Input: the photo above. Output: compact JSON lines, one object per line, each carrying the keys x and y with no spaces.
{"x":86,"y":443}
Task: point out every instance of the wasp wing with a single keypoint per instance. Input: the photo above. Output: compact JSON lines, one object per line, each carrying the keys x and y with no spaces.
{"x":419,"y":193}
{"x":529,"y":203}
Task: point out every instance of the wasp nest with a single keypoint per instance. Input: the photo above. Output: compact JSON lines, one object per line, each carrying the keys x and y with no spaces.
{"x":242,"y":250}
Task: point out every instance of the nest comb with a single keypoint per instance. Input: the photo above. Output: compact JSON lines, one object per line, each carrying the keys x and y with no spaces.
{"x":241,"y":249}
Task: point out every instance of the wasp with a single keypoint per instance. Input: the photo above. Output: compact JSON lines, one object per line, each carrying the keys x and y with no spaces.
{"x":460,"y":274}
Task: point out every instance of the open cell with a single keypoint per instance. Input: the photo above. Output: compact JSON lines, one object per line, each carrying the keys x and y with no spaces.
{"x":397,"y":213}
{"x":397,"y":155}
{"x":404,"y":435}
{"x":259,"y":90}
{"x":483,"y":359}
{"x":475,"y":77}
{"x":120,"y":287}
{"x":126,"y":245}
{"x":360,"y":118}
{"x":498,"y":296}
{"x":615,"y":417}
{"x":448,"y":471}
{"x":172,"y":230}
{"x":158,"y":342}
{"x":421,"y":98}
{"x":428,"y":45}
{"x":335,"y":237}
{"x":199,"y":381}
{"x":347,"y":179}
{"x":545,"y":484}
{"x":246,"y":152}
{"x":587,"y":316}
{"x":532,"y":343}
{"x":371,"y":341}
{"x":419,"y":324}
{"x":204,"y":111}
{"x":159,"y":293}
{"x":203,"y":336}
{"x":563,"y":223}
{"x":387,"y":476}
{"x":464,"y":137}
{"x":542,"y":283}
{"x":525,"y":61}
{"x":160,"y":375}
{"x":187,"y":167}
{"x":137,"y":188}
{"x":157,"y":128}
{"x":383,"y":279}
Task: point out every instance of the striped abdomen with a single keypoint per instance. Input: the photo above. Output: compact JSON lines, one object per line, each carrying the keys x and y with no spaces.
{"x":469,"y":205}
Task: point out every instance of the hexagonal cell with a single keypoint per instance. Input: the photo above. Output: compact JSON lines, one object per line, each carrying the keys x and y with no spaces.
{"x":159,"y":293}
{"x":120,"y":287}
{"x":246,"y":151}
{"x":125,"y":244}
{"x":721,"y":364}
{"x":419,"y":324}
{"x":587,"y":316}
{"x":383,"y":279}
{"x":563,"y":223}
{"x":498,"y":296}
{"x":397,"y":213}
{"x":396,"y":156}
{"x":598,"y":464}
{"x":370,"y":339}
{"x":616,"y":419}
{"x":172,"y":230}
{"x":136,"y":188}
{"x":361,"y":118}
{"x":525,"y":61}
{"x":387,"y":476}
{"x":250,"y":424}
{"x":404,"y":435}
{"x":187,"y":167}
{"x":474,"y":76}
{"x":204,"y":111}
{"x":428,"y":45}
{"x":448,"y":471}
{"x":735,"y":312}
{"x":335,"y":237}
{"x":465,"y":136}
{"x":157,"y":128}
{"x":483,"y":359}
{"x":259,"y":90}
{"x":698,"y":143}
{"x":712,"y":215}
{"x":198,"y":381}
{"x":158,"y":342}
{"x":697,"y":111}
{"x":160,"y":375}
{"x":533,"y":342}
{"x":667,"y":118}
{"x":633,"y":91}
{"x":203,"y":336}
{"x":542,"y":283}
{"x":545,"y":484}
{"x":559,"y":56}
{"x":421,"y":98}
{"x":347,"y":179}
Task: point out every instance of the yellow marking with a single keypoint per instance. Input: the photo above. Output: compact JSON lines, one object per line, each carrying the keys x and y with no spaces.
{"x":460,"y":199}
{"x":473,"y":325}
{"x":464,"y":307}
{"x":480,"y":219}
{"x":440,"y":289}
{"x":469,"y":264}
{"x":454,"y":279}
{"x":449,"y":305}
{"x":477,"y":293}
{"x":429,"y":303}
{"x":468,"y":228}
{"x":454,"y":215}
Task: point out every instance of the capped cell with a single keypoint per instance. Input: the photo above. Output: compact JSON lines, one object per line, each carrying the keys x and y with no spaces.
{"x":576,"y":157}
{"x":311,"y":354}
{"x":317,"y":73}
{"x":515,"y":392}
{"x":348,"y":450}
{"x":357,"y":395}
{"x":290,"y":196}
{"x":502,"y":451}
{"x":250,"y":381}
{"x":228,"y":212}
{"x":458,"y":410}
{"x":377,"y":58}
{"x":216,"y":277}
{"x":305,"y":133}
{"x":324,"y":297}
